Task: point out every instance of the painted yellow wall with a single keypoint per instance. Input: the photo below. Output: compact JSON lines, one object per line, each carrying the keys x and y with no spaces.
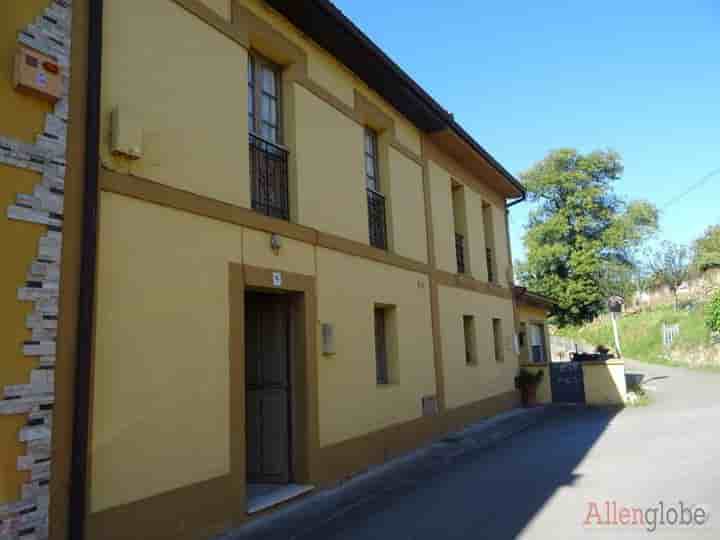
{"x":475,"y":235}
{"x":604,"y":383}
{"x":21,"y":117}
{"x":161,"y":382}
{"x":189,"y":95}
{"x":528,"y":313}
{"x":407,"y":207}
{"x":293,"y":256}
{"x":466,"y":384}
{"x":442,"y":217}
{"x":221,"y":7}
{"x":330,"y":170}
{"x":351,"y":403}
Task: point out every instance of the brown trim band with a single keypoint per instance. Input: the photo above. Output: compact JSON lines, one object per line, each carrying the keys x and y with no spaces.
{"x":213,"y":19}
{"x":464,"y":282}
{"x":380,"y":446}
{"x":351,"y":247}
{"x":360,"y":113}
{"x":156,"y":193}
{"x":175,"y":515}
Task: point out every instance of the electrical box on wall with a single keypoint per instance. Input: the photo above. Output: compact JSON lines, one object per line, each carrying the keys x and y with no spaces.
{"x":127,"y":134}
{"x":38,"y":75}
{"x":328,"y":339}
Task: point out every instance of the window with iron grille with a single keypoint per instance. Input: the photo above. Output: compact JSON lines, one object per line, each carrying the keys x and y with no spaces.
{"x":268,"y":158}
{"x":490,"y":263}
{"x":377,"y":223}
{"x":489,"y":232}
{"x":460,"y":252}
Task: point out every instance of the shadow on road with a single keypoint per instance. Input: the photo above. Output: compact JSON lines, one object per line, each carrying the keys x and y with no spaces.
{"x":492,"y":493}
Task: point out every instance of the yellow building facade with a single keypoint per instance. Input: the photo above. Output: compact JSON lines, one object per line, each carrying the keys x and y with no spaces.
{"x":301,"y":265}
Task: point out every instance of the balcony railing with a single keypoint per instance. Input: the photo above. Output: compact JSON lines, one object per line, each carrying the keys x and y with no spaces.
{"x":460,"y":252}
{"x":269,"y":178}
{"x":489,"y":261}
{"x":376,"y":218}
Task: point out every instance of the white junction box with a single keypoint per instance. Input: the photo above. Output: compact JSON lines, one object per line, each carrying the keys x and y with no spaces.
{"x":127,"y":134}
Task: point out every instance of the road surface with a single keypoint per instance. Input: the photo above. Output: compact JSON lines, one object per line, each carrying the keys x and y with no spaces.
{"x":581,"y":465}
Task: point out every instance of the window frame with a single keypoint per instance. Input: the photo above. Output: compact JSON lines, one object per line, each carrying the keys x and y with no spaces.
{"x":470,"y":335}
{"x":256,"y":64}
{"x":497,"y":331}
{"x":371,"y":135}
{"x":387,"y":371}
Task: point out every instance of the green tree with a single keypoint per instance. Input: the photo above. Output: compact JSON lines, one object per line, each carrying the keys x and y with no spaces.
{"x":670,"y":266}
{"x":581,"y":234}
{"x":707,"y":249}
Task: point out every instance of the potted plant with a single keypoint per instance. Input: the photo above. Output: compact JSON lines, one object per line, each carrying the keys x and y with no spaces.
{"x":527,"y":382}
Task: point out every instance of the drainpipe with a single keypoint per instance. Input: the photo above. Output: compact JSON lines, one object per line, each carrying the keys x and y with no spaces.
{"x":523,"y":198}
{"x":83,"y":367}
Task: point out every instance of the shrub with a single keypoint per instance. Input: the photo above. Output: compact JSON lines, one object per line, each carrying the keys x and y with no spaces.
{"x":712,"y":313}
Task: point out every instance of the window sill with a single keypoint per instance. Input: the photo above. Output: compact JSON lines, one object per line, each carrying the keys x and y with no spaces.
{"x":387,"y":385}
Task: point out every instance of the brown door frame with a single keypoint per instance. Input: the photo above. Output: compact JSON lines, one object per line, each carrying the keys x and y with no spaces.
{"x":305,"y":441}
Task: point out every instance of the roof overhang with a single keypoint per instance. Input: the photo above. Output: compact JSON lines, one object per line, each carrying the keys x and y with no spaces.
{"x":325,"y":24}
{"x":523,"y":296}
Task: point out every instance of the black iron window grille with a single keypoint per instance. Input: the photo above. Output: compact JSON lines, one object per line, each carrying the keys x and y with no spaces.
{"x":376,"y":219}
{"x":269,"y":178}
{"x":460,"y":252}
{"x":489,"y":261}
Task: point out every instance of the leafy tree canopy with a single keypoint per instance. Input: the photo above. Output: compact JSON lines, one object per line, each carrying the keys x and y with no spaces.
{"x":707,"y":249}
{"x":670,"y":266}
{"x":581,"y":237}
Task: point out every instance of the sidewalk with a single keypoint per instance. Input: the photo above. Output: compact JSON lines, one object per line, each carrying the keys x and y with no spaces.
{"x":302,"y":516}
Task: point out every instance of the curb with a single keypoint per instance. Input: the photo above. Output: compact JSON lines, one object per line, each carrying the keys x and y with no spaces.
{"x":300,"y":518}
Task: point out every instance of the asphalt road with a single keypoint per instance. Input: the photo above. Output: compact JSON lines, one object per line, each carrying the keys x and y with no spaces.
{"x":543,"y":483}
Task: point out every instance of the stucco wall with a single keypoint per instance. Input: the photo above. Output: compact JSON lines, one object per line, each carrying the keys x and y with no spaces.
{"x":604,"y":383}
{"x":407,"y":203}
{"x":351,"y":403}
{"x":469,"y":383}
{"x":160,"y":397}
{"x":189,"y":95}
{"x":330,"y":169}
{"x":442,"y":217}
{"x":22,"y":118}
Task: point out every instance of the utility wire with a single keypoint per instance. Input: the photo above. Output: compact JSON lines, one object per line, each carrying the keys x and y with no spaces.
{"x":692,"y":188}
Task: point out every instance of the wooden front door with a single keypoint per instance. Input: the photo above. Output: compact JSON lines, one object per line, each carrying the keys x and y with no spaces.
{"x":267,"y":371}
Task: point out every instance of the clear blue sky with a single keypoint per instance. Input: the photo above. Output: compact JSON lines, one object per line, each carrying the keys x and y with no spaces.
{"x":523,"y":77}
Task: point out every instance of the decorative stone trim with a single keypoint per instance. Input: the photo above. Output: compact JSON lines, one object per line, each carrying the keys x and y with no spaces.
{"x":49,"y":34}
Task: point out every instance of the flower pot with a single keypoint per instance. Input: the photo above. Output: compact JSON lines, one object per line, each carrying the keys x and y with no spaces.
{"x":529,"y":395}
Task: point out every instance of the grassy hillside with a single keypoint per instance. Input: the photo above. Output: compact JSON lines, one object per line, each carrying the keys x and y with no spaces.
{"x":641,"y":333}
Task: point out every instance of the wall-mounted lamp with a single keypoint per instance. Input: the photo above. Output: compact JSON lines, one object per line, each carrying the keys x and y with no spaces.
{"x":275,"y":242}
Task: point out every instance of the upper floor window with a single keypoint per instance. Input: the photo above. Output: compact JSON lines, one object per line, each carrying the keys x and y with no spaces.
{"x":376,"y":200}
{"x":458,"y":208}
{"x":489,"y":231}
{"x":268,"y":159}
{"x":264,"y":99}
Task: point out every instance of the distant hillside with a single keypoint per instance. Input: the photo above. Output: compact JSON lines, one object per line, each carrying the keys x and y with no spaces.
{"x":641,"y":336}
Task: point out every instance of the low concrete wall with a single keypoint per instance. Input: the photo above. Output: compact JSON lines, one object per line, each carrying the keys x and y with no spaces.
{"x":604,"y":382}
{"x":544,"y":394}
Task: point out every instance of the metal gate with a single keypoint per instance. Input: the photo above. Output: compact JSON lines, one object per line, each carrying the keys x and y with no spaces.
{"x":566,"y":381}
